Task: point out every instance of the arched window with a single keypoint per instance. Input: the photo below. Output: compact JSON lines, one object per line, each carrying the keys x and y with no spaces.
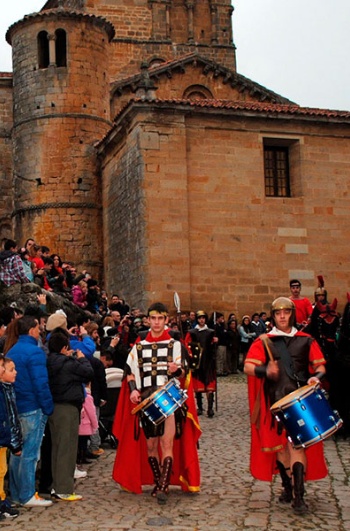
{"x":155,"y":61}
{"x":43,"y":49}
{"x":197,"y":92}
{"x":61,"y":47}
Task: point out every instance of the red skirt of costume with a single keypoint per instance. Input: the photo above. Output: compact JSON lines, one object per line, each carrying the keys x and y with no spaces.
{"x":266,"y":442}
{"x":200,"y":387}
{"x":131,"y":468}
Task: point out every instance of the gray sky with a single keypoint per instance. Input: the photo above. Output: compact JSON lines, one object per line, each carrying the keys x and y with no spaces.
{"x":296,"y":48}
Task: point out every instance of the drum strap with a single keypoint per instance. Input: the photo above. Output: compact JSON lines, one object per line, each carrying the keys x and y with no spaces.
{"x":286,"y":358}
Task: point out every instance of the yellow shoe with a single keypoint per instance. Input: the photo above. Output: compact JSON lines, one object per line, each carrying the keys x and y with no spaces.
{"x":100,"y":451}
{"x":68,"y":497}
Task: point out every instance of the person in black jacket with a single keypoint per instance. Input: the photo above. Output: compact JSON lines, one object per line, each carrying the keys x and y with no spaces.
{"x":68,"y":371}
{"x":233,"y":345}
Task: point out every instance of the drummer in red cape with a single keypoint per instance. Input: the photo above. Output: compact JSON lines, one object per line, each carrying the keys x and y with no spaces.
{"x":277,"y":364}
{"x":170,"y":447}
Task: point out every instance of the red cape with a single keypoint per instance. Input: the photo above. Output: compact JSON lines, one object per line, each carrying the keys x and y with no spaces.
{"x":265,"y":443}
{"x":131,"y":468}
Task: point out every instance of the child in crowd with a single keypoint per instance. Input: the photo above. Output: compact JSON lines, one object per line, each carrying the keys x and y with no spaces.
{"x":10,"y":434}
{"x":88,"y":424}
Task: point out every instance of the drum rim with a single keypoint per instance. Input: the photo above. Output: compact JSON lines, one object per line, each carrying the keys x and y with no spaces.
{"x":321,"y":437}
{"x":294,"y":396}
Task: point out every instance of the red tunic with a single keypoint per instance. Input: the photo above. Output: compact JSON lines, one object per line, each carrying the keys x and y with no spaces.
{"x":131,"y":468}
{"x":265,"y":441}
{"x":303,"y":309}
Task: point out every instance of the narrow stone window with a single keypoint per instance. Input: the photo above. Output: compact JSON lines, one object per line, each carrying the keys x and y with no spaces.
{"x":282,"y":167}
{"x":61,"y":47}
{"x":43,"y":49}
{"x":276,"y":162}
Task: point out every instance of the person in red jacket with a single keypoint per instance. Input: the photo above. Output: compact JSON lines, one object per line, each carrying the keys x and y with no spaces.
{"x":303,"y":306}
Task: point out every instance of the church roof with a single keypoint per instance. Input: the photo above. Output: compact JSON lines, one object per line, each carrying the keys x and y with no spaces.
{"x":176,"y":66}
{"x":256,"y":107}
{"x":248,"y":109}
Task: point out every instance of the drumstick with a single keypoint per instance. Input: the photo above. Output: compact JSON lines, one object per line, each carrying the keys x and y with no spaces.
{"x":264,"y":340}
{"x":138,"y":407}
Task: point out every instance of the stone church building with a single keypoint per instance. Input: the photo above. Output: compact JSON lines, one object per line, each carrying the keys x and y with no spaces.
{"x":130,"y":144}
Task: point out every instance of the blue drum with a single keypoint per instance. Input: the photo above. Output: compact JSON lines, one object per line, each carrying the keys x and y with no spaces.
{"x":307,"y":416}
{"x":162,"y":403}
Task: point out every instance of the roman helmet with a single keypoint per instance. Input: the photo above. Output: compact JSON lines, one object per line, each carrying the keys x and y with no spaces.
{"x":320,"y":290}
{"x":284,"y":303}
{"x":201,"y":313}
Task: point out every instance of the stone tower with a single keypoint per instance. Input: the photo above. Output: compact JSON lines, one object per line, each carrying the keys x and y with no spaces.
{"x":163,"y":30}
{"x":61,"y":108}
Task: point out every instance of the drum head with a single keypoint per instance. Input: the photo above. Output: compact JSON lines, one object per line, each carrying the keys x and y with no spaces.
{"x":296,"y":395}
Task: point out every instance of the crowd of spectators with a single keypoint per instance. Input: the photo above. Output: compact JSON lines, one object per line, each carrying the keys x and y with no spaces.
{"x":118,"y":324}
{"x":59,"y":374}
{"x":64,"y":367}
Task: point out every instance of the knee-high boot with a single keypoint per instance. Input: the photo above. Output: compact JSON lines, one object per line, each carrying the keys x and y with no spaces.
{"x":154,"y":463}
{"x":164,"y":480}
{"x":287,"y":493}
{"x":210,"y":405}
{"x":298,"y":504}
{"x":199,"y":400}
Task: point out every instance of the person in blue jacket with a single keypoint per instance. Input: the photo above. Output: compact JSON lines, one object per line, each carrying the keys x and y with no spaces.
{"x":34,"y":404}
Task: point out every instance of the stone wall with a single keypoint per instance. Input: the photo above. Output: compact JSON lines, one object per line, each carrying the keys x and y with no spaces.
{"x":6,"y":161}
{"x":125,"y":219}
{"x":128,"y":56}
{"x":212,"y":235}
{"x":143,"y":33}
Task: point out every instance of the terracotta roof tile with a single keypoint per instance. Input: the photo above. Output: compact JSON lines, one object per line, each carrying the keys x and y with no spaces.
{"x":260,"y":107}
{"x":253,"y":107}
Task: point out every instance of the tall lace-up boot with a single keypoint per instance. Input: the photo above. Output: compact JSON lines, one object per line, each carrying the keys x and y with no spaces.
{"x":154,"y":463}
{"x":164,"y":481}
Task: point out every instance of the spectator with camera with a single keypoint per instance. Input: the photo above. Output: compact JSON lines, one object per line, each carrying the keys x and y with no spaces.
{"x":126,"y":331}
{"x":68,"y":370}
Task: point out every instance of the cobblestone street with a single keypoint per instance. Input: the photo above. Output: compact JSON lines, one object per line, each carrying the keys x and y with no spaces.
{"x":230,"y":498}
